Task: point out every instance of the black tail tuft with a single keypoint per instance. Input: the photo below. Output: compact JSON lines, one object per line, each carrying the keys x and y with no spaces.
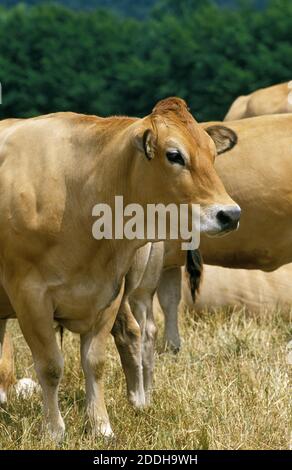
{"x":61,"y":336}
{"x":194,"y":270}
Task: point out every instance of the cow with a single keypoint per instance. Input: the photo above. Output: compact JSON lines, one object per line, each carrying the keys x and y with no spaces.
{"x":276,"y":99}
{"x":55,"y":169}
{"x":257,"y":174}
{"x":255,"y":290}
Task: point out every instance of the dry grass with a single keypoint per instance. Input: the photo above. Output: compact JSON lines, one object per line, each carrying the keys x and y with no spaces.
{"x":227,"y":389}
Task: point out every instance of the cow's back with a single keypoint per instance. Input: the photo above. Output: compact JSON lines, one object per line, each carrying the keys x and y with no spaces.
{"x":272,"y":100}
{"x":238,"y":109}
{"x":276,"y":99}
{"x":254,"y":289}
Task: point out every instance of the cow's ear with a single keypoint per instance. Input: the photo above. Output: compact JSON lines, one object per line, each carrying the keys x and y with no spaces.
{"x":145,"y":142}
{"x":224,"y":137}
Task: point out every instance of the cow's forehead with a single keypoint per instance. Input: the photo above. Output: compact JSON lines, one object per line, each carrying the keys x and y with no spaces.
{"x":191,"y":136}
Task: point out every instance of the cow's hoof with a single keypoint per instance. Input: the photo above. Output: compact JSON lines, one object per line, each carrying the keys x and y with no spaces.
{"x":137,"y":400}
{"x":106,"y":431}
{"x":98,"y":426}
{"x":100,"y":430}
{"x":3,"y":397}
{"x":148,"y":399}
{"x":55,"y":432}
{"x":172,"y":346}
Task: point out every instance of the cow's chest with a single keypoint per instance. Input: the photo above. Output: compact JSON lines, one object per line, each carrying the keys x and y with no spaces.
{"x":80,"y":301}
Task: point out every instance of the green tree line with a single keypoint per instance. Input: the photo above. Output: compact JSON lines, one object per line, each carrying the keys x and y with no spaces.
{"x":53,"y":58}
{"x":137,"y":8}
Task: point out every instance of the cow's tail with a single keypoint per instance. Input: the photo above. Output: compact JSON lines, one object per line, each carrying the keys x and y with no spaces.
{"x":194,"y":271}
{"x":61,"y":336}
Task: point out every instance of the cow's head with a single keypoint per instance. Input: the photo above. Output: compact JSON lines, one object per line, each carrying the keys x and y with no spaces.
{"x":181,"y":155}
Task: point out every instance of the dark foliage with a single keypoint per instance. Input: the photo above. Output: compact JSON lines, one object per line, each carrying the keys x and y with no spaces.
{"x":53,"y":58}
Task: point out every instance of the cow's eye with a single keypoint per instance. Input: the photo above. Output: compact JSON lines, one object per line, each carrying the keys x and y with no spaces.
{"x":174,"y":156}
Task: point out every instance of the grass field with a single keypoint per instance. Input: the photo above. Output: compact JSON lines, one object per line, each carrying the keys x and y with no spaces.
{"x":228,"y":388}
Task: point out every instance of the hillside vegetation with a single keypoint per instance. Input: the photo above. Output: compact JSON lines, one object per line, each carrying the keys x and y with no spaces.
{"x":139,"y":8}
{"x":53,"y":58}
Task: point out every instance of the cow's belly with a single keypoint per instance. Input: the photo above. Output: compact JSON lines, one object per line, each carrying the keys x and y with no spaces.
{"x":76,"y":306}
{"x":76,"y":288}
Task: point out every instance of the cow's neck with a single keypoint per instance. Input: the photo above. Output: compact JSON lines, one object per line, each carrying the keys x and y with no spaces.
{"x":107,"y":173}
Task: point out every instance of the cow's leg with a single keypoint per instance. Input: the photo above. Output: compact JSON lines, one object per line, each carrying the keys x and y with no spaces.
{"x":92,"y":359}
{"x":149,"y":350}
{"x":127,"y":335}
{"x":40,"y":335}
{"x":141,"y":302}
{"x":3,"y":395}
{"x":49,"y":364}
{"x":7,"y":378}
{"x":36,"y":319}
{"x":134,"y":330}
{"x":169,"y":295}
{"x":126,"y":330}
{"x":93,"y":348}
{"x":142,"y":307}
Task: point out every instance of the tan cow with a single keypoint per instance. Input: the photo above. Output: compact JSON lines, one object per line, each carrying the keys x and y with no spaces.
{"x":236,"y":288}
{"x":257,"y":173}
{"x":276,"y":99}
{"x":54,"y":170}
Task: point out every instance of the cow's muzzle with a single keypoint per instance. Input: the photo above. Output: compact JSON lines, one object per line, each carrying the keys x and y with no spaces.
{"x":218,"y":220}
{"x":229,"y":218}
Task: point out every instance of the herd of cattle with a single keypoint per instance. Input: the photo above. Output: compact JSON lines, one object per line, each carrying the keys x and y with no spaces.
{"x":55,"y":168}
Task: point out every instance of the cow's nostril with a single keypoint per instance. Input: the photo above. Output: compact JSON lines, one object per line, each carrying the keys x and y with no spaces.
{"x":229,"y":218}
{"x":223,"y":218}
